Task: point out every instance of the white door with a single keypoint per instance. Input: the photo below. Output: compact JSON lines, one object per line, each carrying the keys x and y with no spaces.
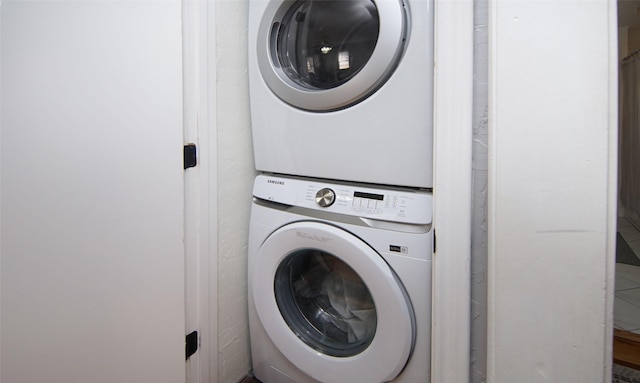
{"x":92,"y":275}
{"x":332,"y":305}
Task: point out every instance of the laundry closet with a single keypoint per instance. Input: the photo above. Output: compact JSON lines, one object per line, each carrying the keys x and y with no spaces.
{"x":341,"y":233}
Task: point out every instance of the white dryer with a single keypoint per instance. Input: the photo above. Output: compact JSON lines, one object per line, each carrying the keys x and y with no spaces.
{"x":343,"y":89}
{"x":339,"y":282}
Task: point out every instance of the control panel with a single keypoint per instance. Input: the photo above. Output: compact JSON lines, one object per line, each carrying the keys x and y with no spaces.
{"x":390,"y":204}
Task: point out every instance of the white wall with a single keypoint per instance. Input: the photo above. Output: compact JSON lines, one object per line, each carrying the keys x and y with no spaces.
{"x":552,"y":171}
{"x":235,"y":181}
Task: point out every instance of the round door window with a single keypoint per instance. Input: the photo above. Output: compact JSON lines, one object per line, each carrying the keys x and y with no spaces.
{"x":323,"y":44}
{"x":325,"y":303}
{"x":325,"y":55}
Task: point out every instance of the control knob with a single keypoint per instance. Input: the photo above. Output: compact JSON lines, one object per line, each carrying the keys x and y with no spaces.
{"x":325,"y":197}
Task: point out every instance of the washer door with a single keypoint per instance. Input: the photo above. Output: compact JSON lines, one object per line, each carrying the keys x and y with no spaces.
{"x":332,"y":305}
{"x":324,"y":55}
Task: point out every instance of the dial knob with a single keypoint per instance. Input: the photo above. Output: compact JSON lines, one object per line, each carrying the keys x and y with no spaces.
{"x":325,"y":197}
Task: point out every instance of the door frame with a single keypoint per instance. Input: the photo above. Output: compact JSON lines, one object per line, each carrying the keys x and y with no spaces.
{"x":201,"y":218}
{"x":450,"y":357}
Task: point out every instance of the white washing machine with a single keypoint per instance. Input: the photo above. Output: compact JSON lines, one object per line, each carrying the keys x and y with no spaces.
{"x":339,"y":282}
{"x":343,"y":89}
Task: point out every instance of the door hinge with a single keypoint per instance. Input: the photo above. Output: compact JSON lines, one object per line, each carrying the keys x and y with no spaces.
{"x":190,"y":156}
{"x":434,"y":241}
{"x":191,"y":344}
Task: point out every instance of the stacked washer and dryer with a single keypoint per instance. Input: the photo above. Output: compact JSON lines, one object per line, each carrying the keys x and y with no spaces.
{"x":341,"y":237}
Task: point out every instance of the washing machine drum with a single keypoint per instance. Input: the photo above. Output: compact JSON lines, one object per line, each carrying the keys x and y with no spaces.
{"x":324,"y":55}
{"x":332,"y":305}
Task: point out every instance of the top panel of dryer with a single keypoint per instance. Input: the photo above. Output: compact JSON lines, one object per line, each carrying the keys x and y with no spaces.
{"x":343,"y":89}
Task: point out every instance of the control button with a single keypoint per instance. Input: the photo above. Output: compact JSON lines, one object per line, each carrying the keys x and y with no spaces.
{"x":325,"y":197}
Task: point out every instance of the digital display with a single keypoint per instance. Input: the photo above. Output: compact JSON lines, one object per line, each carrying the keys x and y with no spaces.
{"x":379,"y":197}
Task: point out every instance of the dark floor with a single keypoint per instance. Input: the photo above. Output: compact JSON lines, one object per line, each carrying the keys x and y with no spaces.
{"x":249,"y":380}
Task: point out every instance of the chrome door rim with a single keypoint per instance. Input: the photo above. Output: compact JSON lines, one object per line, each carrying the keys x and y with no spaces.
{"x":392,"y":38}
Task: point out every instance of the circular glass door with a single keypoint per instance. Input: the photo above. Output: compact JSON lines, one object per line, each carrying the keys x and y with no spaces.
{"x":323,"y":44}
{"x":324,"y":55}
{"x":325,"y":302}
{"x":331,"y":304}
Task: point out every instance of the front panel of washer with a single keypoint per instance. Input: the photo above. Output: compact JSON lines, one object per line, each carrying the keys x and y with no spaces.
{"x":331,"y":304}
{"x":325,"y":55}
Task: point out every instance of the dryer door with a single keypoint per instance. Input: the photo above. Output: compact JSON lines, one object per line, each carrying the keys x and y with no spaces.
{"x":323,"y":55}
{"x":332,"y":305}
